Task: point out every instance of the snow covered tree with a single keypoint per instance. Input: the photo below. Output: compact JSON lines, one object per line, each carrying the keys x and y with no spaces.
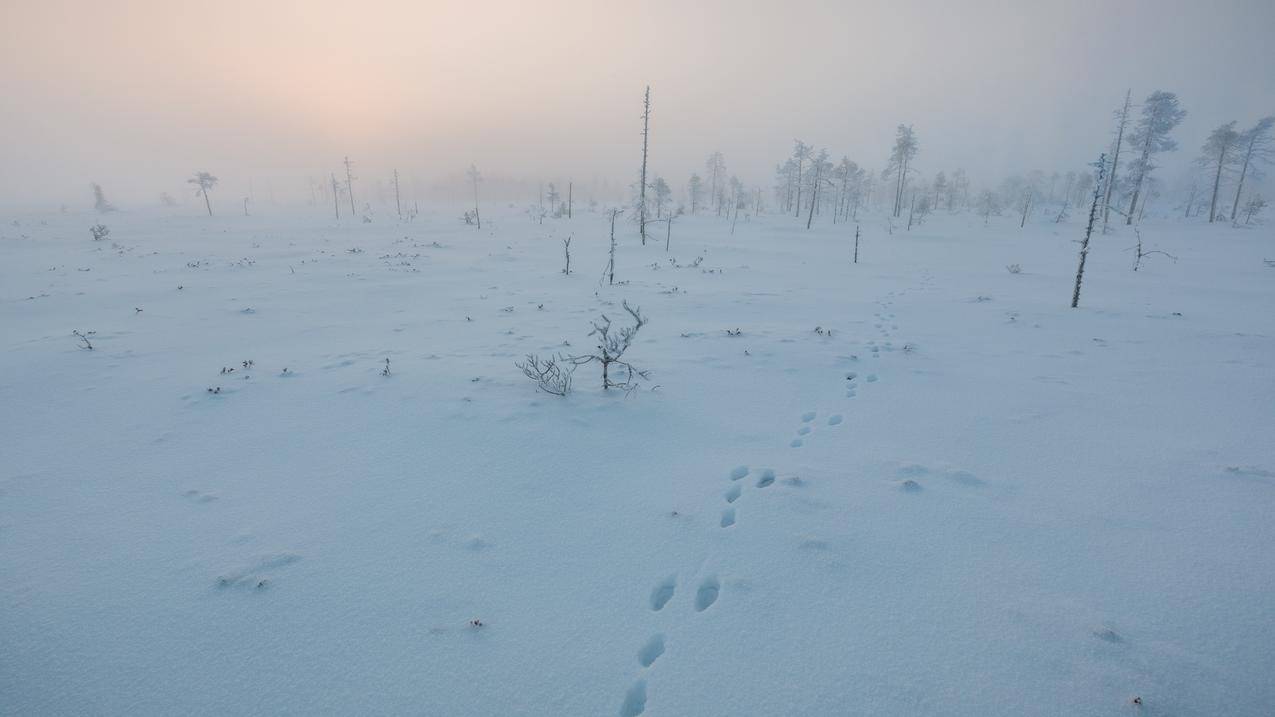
{"x":1253,"y":207}
{"x":1215,"y":155}
{"x":988,"y":205}
{"x":800,"y":154}
{"x":1160,"y":114}
{"x":940,"y":186}
{"x":715,"y":165}
{"x":695,"y":188}
{"x":554,"y":198}
{"x":905,"y":149}
{"x":663,"y":194}
{"x":1256,"y":147}
{"x":204,"y":183}
{"x":99,"y":200}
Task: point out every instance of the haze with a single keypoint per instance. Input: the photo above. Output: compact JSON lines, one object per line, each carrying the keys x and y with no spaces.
{"x":138,"y":95}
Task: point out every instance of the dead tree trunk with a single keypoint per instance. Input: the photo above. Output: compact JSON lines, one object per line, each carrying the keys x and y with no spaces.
{"x":646,"y":127}
{"x":856,"y":243}
{"x":349,"y":184}
{"x":1115,"y":159}
{"x":398,"y":206}
{"x":1084,"y":244}
{"x":336,"y":197}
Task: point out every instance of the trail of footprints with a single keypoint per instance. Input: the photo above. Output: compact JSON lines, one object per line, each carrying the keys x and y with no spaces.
{"x":709,"y":589}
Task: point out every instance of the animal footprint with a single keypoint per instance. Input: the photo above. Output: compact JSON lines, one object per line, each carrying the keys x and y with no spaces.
{"x":732,"y":494}
{"x":707,"y":594}
{"x":767,"y":477}
{"x":739,"y":472}
{"x":728,"y":517}
{"x":807,"y":417}
{"x":651,"y":651}
{"x":797,"y":443}
{"x":803,"y":430}
{"x":200,"y":496}
{"x":834,"y":420}
{"x":663,"y":593}
{"x":635,"y":700}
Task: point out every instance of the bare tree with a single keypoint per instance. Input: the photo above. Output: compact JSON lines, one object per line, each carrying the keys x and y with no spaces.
{"x":611,"y":347}
{"x":204,"y":183}
{"x":1101,"y":167}
{"x":1139,"y":253}
{"x":820,"y":164}
{"x":646,"y":129}
{"x":566,"y":249}
{"x":1122,"y":123}
{"x":474,"y":179}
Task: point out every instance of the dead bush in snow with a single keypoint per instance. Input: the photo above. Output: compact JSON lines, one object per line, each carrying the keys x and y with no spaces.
{"x":611,"y":347}
{"x":1014,"y":268}
{"x":550,"y":375}
{"x":99,"y":232}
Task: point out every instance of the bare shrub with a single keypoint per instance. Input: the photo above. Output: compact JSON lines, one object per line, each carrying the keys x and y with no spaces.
{"x":99,"y":232}
{"x":550,"y":375}
{"x":611,"y":347}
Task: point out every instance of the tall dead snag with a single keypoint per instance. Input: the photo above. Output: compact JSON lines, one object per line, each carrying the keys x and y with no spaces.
{"x":336,"y":196}
{"x":566,"y":249}
{"x":349,"y":182}
{"x":1122,"y":122}
{"x":1093,"y":215}
{"x":398,"y":206}
{"x":646,"y":127}
{"x":570,"y":188}
{"x":474,"y":179}
{"x":611,"y":261}
{"x":856,"y":243}
{"x":611,"y":347}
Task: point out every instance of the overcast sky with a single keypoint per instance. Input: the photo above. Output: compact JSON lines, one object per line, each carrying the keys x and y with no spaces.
{"x":137,"y":94}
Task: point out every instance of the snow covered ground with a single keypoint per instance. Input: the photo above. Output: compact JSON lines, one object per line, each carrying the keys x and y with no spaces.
{"x":967,"y":499}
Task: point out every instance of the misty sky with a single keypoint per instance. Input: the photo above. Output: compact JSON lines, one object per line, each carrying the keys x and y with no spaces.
{"x":137,"y":94}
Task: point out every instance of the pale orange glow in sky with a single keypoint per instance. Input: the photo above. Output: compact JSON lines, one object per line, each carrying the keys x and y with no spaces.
{"x":137,"y":94}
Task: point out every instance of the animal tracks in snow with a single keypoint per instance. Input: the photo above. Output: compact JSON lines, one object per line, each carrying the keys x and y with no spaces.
{"x":663,"y":593}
